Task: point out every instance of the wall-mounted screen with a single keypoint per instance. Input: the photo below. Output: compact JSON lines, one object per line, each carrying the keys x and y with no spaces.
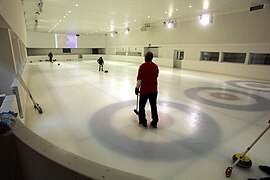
{"x":65,"y":41}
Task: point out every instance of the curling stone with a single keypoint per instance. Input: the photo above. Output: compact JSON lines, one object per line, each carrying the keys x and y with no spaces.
{"x":245,"y":161}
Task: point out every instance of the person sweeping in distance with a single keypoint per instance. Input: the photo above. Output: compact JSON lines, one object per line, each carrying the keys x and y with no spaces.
{"x":147,"y":87}
{"x":50,"y":55}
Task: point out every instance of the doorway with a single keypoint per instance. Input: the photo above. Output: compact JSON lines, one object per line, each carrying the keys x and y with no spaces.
{"x":178,"y":57}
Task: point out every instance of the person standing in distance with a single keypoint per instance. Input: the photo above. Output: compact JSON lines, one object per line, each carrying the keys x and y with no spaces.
{"x":100,"y":64}
{"x":147,"y":87}
{"x":50,"y":55}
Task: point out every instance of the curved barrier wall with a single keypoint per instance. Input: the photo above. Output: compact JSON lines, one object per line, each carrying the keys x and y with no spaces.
{"x":40,"y":159}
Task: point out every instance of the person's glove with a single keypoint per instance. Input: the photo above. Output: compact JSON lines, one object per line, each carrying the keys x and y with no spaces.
{"x":137,"y":91}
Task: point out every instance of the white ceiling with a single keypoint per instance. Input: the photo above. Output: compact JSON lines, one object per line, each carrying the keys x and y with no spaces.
{"x":97,"y":16}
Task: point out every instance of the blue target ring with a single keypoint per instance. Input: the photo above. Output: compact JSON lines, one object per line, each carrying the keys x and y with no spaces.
{"x":205,"y":138}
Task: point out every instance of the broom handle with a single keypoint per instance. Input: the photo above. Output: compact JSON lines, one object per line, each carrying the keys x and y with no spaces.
{"x":266,"y":129}
{"x":258,"y":137}
{"x":21,"y":81}
{"x":137,"y":102}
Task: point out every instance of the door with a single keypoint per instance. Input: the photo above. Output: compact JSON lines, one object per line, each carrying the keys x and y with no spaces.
{"x":178,"y":58}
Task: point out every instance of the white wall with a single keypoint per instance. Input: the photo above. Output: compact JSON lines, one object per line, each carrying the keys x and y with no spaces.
{"x":239,"y":28}
{"x":40,"y":40}
{"x":47,"y":40}
{"x":93,"y":41}
{"x":243,"y":32}
{"x":243,"y":27}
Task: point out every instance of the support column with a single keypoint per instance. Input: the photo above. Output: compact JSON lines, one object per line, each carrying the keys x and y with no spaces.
{"x":16,"y":52}
{"x":7,"y":64}
{"x":220,"y":59}
{"x":247,"y":58}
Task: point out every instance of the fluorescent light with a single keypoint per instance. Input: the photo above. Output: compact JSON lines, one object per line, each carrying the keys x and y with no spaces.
{"x":205,"y":4}
{"x":126,"y":31}
{"x":56,"y":40}
{"x":112,"y":27}
{"x":169,"y":25}
{"x":206,"y":18}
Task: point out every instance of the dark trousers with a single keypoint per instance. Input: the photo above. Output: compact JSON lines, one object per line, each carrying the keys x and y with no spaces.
{"x":100,"y":67}
{"x":153,"y":103}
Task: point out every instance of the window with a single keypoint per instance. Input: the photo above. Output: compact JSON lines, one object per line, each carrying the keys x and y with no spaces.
{"x":120,"y":53}
{"x":153,"y":49}
{"x":95,"y":51}
{"x":134,"y":54}
{"x":209,"y":56}
{"x":234,"y":57}
{"x":66,"y":50}
{"x":259,"y":58}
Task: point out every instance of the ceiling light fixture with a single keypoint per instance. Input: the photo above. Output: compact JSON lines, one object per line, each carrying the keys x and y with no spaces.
{"x":40,"y":6}
{"x":205,"y":4}
{"x":36,"y":25}
{"x":113,"y":34}
{"x":112,"y":27}
{"x":126,"y":31}
{"x":169,"y":24}
{"x":206,"y":18}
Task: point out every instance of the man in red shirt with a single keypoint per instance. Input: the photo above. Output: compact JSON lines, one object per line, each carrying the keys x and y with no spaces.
{"x":147,"y":86}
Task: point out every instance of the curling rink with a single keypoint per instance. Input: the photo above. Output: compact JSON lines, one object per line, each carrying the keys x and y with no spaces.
{"x":204,"y":119}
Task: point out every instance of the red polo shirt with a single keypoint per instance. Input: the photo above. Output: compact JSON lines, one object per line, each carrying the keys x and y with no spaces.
{"x":148,"y":73}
